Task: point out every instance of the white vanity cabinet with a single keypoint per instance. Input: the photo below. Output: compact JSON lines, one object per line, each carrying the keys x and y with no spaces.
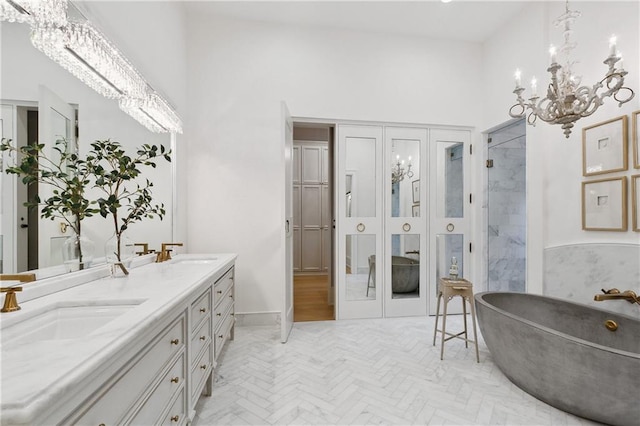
{"x":148,"y":366}
{"x":224,"y":319}
{"x":139,"y":394}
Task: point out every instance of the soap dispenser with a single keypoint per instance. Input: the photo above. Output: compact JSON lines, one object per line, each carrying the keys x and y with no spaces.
{"x":453,"y":269}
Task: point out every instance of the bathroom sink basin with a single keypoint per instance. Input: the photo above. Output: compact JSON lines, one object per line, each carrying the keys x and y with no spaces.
{"x":65,"y":321}
{"x":194,"y":260}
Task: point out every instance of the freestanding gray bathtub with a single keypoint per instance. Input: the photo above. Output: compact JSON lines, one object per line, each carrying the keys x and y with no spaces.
{"x":564,"y":354}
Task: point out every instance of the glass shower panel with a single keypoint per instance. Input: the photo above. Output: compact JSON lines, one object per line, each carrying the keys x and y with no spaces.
{"x":360,"y":176}
{"x":405,"y":178}
{"x":450,"y":179}
{"x":405,"y":266}
{"x":360,"y":262}
{"x":448,"y":246}
{"x":507,"y":219}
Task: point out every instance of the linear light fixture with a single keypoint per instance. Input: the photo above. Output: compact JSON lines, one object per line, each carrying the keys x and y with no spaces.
{"x":87,"y":54}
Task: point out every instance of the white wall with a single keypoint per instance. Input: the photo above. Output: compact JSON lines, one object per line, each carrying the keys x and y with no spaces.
{"x":239,"y":72}
{"x":554,"y":164}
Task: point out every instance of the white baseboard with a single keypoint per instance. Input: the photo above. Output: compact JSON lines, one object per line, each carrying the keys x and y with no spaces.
{"x":257,"y":318}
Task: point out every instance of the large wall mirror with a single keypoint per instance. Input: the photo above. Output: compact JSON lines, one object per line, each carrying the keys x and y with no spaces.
{"x":76,"y":112}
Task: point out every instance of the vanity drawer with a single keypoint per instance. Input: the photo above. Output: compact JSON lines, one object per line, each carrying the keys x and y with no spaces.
{"x":176,"y":414}
{"x":222,"y":333}
{"x":170,"y":383}
{"x":200,"y":372}
{"x":200,"y":339}
{"x":222,"y":285}
{"x":117,"y":396}
{"x":222,"y":308}
{"x":200,"y":309}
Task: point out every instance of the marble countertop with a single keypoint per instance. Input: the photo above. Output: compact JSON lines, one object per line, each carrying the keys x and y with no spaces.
{"x":36,"y":373}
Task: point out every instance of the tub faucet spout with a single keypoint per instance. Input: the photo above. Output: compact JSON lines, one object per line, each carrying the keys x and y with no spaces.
{"x":611,"y":294}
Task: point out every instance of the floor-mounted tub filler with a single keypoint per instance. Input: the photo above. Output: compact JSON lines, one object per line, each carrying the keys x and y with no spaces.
{"x":577,"y":358}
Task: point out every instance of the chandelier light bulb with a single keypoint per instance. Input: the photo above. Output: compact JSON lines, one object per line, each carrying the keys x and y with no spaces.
{"x":518,"y":76}
{"x":534,"y":87}
{"x":612,"y":45}
{"x":553,"y":53}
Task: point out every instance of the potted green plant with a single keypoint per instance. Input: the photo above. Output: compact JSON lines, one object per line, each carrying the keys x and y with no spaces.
{"x":126,"y":197}
{"x":68,"y":175}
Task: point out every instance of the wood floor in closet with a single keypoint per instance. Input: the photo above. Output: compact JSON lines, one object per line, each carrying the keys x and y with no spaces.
{"x":310,"y":298}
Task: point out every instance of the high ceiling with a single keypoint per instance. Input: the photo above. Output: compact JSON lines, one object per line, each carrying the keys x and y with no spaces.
{"x":468,"y":20}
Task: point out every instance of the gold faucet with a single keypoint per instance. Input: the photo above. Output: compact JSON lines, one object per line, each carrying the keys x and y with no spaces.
{"x":165,"y":253}
{"x":629,"y":295}
{"x":10,"y":300}
{"x":145,"y":249}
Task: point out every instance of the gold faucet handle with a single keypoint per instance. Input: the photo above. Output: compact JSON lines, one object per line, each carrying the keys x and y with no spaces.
{"x":610,"y":291}
{"x":10,"y":289}
{"x":145,"y":248}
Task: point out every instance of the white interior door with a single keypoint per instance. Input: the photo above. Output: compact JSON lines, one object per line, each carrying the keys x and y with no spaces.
{"x":406,"y":212}
{"x":56,"y":119}
{"x":287,"y":309}
{"x":450,"y":199}
{"x":359,"y":234}
{"x":7,"y":208}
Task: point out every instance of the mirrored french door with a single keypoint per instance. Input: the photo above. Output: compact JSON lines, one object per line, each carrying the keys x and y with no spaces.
{"x":402,"y":217}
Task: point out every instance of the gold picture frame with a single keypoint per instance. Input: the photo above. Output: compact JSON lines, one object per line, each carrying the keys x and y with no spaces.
{"x":604,"y":147}
{"x":635,"y":201}
{"x":604,"y":204}
{"x":635,"y":124}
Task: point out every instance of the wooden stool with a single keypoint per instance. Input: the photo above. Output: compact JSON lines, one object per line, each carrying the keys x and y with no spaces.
{"x":447,"y":289}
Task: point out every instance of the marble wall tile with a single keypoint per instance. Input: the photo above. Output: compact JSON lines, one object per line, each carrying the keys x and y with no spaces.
{"x":578,"y":272}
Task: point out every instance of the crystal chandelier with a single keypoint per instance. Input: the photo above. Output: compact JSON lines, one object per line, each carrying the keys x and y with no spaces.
{"x":398,"y":172}
{"x":566,"y":101}
{"x":87,"y":54}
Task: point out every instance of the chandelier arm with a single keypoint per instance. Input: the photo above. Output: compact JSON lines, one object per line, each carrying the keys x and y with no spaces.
{"x":622,"y":101}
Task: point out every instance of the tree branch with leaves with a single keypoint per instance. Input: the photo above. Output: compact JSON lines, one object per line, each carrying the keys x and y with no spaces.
{"x":65,"y":172}
{"x":125,"y":198}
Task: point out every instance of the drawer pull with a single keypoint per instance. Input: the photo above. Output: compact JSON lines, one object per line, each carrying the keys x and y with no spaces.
{"x":175,"y":380}
{"x":203,"y":310}
{"x":219,"y":314}
{"x":219,"y":291}
{"x":174,"y":418}
{"x":221,"y":336}
{"x":175,"y":341}
{"x":231,"y":296}
{"x":203,"y":338}
{"x":203,"y":366}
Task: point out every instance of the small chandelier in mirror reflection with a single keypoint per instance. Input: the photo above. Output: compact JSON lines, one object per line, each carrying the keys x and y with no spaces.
{"x":398,"y":172}
{"x":566,"y":101}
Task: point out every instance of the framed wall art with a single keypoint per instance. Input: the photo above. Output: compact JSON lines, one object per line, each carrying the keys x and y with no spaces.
{"x":604,"y":147}
{"x":415,"y":189}
{"x":415,"y":210}
{"x":635,"y":202}
{"x":635,"y":118}
{"x":604,"y":205}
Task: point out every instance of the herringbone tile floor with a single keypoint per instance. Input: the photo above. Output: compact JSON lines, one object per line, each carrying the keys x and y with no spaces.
{"x":365,"y":372}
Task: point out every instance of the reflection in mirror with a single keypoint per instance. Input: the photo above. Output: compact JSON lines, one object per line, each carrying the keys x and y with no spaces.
{"x":360,"y":268}
{"x":349,"y":185}
{"x":361,"y":157}
{"x":98,"y":118}
{"x":405,"y":266}
{"x":449,"y":185}
{"x":405,"y":178}
{"x":448,"y":246}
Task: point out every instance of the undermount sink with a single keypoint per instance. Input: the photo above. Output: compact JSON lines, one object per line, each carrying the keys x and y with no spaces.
{"x":62,"y":321}
{"x":194,"y":260}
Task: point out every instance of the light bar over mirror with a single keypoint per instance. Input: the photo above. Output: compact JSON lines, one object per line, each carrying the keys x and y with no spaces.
{"x":80,"y":48}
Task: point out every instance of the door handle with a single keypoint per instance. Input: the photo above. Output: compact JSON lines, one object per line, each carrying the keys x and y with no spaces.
{"x":24,"y":225}
{"x":286,"y":226}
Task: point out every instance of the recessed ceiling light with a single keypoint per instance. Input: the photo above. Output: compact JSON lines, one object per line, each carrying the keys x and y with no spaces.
{"x":445,"y":1}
